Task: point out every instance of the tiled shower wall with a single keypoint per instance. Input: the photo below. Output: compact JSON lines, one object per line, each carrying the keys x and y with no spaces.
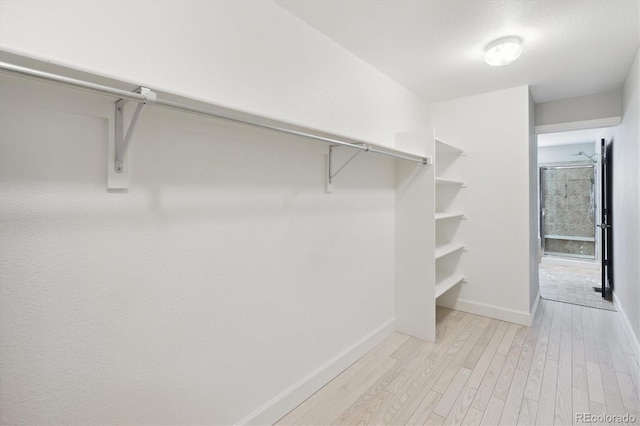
{"x":568,"y":210}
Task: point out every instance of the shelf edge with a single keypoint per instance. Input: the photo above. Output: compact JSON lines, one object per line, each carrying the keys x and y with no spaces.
{"x":448,"y":283}
{"x":447,"y":249}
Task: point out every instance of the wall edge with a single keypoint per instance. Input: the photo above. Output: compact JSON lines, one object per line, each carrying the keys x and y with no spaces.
{"x":285,"y":401}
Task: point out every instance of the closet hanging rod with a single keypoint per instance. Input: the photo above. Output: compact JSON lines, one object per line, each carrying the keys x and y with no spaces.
{"x":71,"y":82}
{"x":8,"y":68}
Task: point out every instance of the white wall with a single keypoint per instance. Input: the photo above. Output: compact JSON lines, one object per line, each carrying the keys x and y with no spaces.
{"x":626,"y":202}
{"x":226,"y":285}
{"x":534,"y":282}
{"x":493,"y":129}
{"x":559,"y":153}
{"x":583,"y":108}
{"x":251,"y":55}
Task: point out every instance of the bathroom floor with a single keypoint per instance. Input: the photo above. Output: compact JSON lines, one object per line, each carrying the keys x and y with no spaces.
{"x":572,"y":285}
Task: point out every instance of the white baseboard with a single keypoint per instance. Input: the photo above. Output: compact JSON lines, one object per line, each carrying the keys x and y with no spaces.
{"x":626,"y":325}
{"x":291,"y":397}
{"x":532,"y":315}
{"x":492,"y":311}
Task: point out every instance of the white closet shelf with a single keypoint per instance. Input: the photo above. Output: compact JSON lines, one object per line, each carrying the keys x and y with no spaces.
{"x":447,"y":249}
{"x":443,"y":181}
{"x":453,"y":215}
{"x":445,"y":148}
{"x":446,"y":283}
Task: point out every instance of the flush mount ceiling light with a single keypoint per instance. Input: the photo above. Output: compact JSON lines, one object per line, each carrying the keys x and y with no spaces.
{"x":503,"y":51}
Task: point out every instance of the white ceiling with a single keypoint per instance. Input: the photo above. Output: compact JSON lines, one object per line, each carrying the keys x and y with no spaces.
{"x":435,"y":47}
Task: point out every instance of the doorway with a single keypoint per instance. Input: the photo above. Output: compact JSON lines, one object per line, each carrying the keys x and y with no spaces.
{"x":569,"y":188}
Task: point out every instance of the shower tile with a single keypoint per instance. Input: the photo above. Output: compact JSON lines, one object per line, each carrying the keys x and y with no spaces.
{"x":585,"y":173}
{"x":552,"y":245}
{"x":569,"y":227}
{"x":574,"y":187}
{"x":586,"y":229}
{"x":575,"y":203}
{"x":573,"y":229}
{"x":549,"y":212}
{"x":574,"y":216}
{"x":584,"y":186}
{"x":565,"y":246}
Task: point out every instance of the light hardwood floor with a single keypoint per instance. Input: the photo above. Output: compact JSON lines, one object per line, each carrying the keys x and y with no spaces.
{"x":572,"y":285}
{"x":573,"y":359}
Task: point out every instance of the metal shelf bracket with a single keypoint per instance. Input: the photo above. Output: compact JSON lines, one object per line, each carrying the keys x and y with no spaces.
{"x":330,"y":168}
{"x":123,"y":139}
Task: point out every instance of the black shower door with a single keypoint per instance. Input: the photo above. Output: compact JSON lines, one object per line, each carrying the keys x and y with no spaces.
{"x":606,"y":215}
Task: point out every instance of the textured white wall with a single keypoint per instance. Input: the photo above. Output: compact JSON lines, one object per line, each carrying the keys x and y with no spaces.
{"x":493,"y":129}
{"x":226,"y":274}
{"x":626,"y":201}
{"x":583,"y":108}
{"x":223,"y":277}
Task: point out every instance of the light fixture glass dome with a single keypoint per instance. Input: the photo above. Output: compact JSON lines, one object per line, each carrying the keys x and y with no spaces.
{"x":503,"y":51}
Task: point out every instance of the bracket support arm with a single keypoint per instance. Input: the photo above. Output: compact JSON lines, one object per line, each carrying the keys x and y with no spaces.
{"x":330,"y":173}
{"x":122,"y":138}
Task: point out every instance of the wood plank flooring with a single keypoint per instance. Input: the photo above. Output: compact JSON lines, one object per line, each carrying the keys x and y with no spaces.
{"x":482,"y":371}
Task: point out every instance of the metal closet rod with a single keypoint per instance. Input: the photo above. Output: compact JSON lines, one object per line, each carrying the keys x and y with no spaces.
{"x":8,"y":68}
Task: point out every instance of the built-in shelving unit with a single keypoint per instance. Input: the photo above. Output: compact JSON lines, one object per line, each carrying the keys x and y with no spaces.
{"x":448,"y":217}
{"x":430,"y":223}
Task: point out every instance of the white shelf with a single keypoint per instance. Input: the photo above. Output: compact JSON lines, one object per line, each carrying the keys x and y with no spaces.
{"x":447,"y":249}
{"x":454,"y":215}
{"x":446,"y":283}
{"x":446,"y":274}
{"x":442,"y":181}
{"x":445,"y":148}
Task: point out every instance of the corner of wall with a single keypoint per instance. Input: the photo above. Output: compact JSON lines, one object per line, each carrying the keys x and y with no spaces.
{"x":534,"y":285}
{"x":626,"y":203}
{"x":626,"y":326}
